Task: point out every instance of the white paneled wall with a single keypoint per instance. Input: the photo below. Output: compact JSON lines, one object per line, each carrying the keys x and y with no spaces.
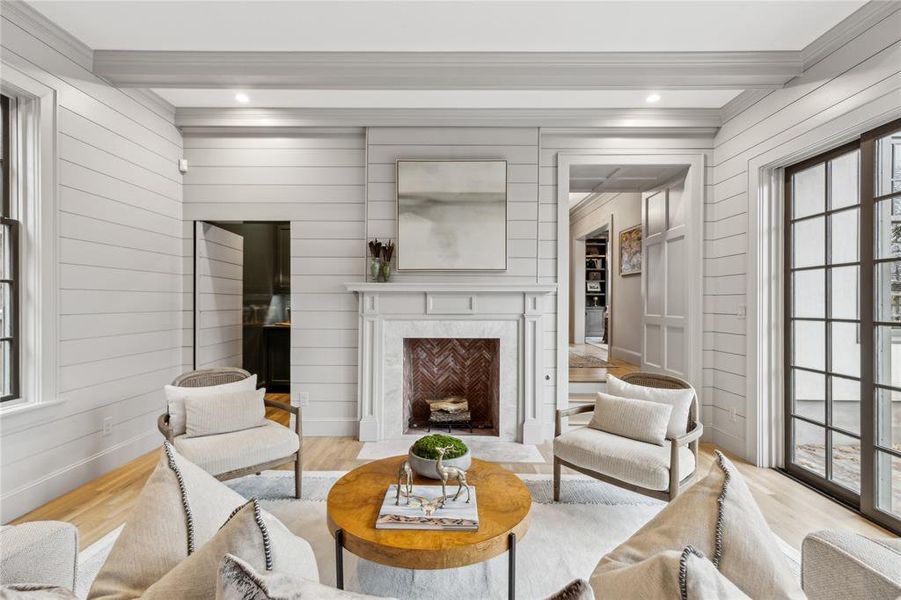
{"x":219,"y":293}
{"x":120,"y":275}
{"x":855,"y":87}
{"x":587,"y":141}
{"x":531,"y":226}
{"x":313,"y":178}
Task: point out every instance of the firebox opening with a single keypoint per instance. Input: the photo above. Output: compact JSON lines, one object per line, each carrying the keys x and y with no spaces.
{"x":452,"y":384}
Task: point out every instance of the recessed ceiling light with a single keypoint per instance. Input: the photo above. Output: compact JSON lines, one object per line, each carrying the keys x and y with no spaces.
{"x":242,"y":97}
{"x":653,"y":98}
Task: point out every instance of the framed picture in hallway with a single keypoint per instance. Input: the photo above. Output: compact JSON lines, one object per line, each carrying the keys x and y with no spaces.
{"x":630,"y":251}
{"x":451,"y":215}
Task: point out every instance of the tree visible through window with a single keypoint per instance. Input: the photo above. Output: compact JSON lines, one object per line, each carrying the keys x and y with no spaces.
{"x":9,"y":268}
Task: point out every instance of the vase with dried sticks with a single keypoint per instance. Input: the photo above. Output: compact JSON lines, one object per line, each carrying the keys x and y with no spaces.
{"x":387,"y":254}
{"x":375,"y":254}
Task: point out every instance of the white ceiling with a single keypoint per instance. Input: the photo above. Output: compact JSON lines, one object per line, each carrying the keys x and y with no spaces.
{"x":587,"y":179}
{"x":268,"y":98}
{"x":463,"y":25}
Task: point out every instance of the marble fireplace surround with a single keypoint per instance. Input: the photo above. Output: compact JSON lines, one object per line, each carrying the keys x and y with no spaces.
{"x":390,"y":312}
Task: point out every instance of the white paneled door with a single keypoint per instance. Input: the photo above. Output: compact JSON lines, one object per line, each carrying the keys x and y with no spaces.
{"x":664,"y":275}
{"x":218,"y":290}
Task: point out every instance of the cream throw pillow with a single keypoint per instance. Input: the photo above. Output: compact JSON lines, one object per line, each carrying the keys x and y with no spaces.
{"x":680,"y":400}
{"x":251,"y":533}
{"x":637,"y":419}
{"x":223,"y":413}
{"x":718,"y":517}
{"x":239,"y":580}
{"x":687,"y":575}
{"x":175,"y":396}
{"x":179,"y":509}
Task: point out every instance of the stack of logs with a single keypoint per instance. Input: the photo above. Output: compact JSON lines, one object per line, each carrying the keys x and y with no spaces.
{"x":447,"y":411}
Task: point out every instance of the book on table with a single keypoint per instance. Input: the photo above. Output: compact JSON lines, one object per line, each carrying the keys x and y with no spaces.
{"x":423,"y":510}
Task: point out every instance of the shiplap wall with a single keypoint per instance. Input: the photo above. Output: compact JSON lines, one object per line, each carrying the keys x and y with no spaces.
{"x":531,"y":226}
{"x":854,"y":87}
{"x":587,"y":141}
{"x":313,"y":178}
{"x":121,"y":283}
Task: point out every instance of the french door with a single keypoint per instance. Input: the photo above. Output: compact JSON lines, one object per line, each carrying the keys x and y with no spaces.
{"x":843,"y":323}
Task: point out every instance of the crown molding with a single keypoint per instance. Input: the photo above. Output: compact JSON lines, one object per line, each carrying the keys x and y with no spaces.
{"x":846,"y":30}
{"x":449,"y":70}
{"x":742,"y":102}
{"x":159,"y":104}
{"x":33,"y":21}
{"x":698,"y":121}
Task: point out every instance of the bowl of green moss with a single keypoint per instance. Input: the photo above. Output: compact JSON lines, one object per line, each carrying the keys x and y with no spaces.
{"x":424,"y":454}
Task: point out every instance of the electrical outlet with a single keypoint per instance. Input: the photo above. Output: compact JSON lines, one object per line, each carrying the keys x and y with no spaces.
{"x":742,"y":311}
{"x":303,"y":398}
{"x":732,"y":415}
{"x":107,"y":426}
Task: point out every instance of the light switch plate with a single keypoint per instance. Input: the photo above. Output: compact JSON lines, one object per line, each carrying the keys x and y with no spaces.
{"x":303,"y":398}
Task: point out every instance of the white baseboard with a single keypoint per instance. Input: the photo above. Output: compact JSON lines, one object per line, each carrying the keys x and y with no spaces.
{"x":626,"y":355}
{"x":47,"y":487}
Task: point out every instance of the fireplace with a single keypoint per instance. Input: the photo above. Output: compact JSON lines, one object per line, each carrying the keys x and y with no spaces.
{"x":459,"y":370}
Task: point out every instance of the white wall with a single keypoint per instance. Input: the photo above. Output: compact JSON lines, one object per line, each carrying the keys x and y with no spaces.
{"x":121,"y":283}
{"x":625,"y":311}
{"x":315,"y":179}
{"x":855,"y":87}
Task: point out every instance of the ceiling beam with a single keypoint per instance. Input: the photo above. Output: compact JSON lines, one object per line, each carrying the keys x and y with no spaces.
{"x":649,"y":121}
{"x":449,"y":70}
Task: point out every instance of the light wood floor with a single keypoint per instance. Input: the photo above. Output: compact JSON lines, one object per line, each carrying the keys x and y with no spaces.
{"x":617,"y":367}
{"x":100,"y":506}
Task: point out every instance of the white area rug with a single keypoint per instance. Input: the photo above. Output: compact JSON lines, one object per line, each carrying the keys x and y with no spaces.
{"x":564,"y":541}
{"x":491,"y":450}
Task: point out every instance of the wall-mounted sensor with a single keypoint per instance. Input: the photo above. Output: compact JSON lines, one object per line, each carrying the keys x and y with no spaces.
{"x":182,"y":165}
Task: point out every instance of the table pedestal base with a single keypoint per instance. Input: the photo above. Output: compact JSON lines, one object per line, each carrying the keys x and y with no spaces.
{"x":511,"y":562}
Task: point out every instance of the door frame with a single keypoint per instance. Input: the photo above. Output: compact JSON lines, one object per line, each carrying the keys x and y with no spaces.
{"x":695,"y":272}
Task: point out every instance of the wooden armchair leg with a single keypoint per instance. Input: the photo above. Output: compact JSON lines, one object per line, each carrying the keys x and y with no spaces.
{"x":298,"y":475}
{"x":673,"y":471}
{"x":556,"y":479}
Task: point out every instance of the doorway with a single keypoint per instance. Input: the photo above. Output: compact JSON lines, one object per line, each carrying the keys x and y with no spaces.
{"x":651,"y":209}
{"x":242,"y":299}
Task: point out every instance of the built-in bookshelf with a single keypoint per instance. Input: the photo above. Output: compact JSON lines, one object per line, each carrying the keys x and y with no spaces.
{"x":596,"y":272}
{"x":595,"y":286}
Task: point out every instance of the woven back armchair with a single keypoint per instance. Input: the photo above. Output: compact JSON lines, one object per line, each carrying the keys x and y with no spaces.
{"x":264,"y":443}
{"x":676,"y":461}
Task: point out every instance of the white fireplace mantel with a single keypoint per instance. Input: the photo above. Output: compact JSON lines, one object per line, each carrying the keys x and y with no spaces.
{"x":479,"y":288}
{"x":512,"y":313}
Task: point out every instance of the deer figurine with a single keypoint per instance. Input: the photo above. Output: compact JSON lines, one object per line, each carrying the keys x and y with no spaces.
{"x":405,"y":474}
{"x":445,"y":473}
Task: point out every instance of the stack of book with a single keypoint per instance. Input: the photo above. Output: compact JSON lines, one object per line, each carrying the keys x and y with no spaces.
{"x":424,"y":509}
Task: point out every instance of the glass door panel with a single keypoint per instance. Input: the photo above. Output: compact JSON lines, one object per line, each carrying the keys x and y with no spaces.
{"x":824,"y":354}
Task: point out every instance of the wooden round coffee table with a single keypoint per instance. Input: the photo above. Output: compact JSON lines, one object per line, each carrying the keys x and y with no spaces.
{"x":355,"y":499}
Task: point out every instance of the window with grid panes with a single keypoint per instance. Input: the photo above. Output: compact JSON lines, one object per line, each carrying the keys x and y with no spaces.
{"x":843,"y":323}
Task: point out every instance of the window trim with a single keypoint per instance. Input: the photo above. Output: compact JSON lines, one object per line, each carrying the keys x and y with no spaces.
{"x":35,"y":149}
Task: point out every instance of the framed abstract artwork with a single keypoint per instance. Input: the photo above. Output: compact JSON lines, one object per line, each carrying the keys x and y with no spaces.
{"x":451,"y":215}
{"x":630,"y":251}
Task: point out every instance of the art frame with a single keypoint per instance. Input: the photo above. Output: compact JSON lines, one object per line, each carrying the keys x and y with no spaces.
{"x":451,"y":215}
{"x":630,"y":251}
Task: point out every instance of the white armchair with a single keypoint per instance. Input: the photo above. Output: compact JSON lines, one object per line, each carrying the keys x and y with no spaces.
{"x":657,"y":471}
{"x":40,"y":552}
{"x":230,"y":455}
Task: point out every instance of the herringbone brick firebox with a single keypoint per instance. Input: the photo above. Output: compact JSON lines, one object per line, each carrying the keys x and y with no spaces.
{"x":437,"y":368}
